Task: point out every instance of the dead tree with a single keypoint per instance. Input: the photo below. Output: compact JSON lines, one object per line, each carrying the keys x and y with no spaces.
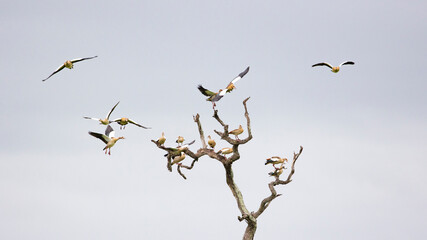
{"x":249,"y":217}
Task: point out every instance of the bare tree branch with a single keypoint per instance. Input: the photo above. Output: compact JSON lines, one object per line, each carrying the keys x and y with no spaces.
{"x":266,"y":201}
{"x":202,"y":136}
{"x":249,"y":217}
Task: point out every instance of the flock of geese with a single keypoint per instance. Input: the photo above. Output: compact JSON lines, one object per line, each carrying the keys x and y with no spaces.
{"x":178,"y":154}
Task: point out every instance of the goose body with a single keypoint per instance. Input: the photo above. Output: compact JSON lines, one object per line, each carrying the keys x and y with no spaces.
{"x":162,"y":139}
{"x":178,"y":159}
{"x":180,"y":140}
{"x":237,"y":132}
{"x":225,"y":151}
{"x":106,"y":120}
{"x":333,"y":69}
{"x":277,"y":172}
{"x":108,"y":138}
{"x":211,"y":142}
{"x":68,"y":64}
{"x":275,"y":160}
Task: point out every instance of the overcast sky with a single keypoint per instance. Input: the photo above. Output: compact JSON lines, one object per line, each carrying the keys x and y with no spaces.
{"x":364,"y":129}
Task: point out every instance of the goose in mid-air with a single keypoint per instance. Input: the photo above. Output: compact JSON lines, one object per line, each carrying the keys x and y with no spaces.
{"x":108,"y":138}
{"x":333,"y":69}
{"x":68,"y":64}
{"x":216,"y":96}
{"x":275,"y":160}
{"x":106,"y":120}
{"x":237,"y":132}
{"x":124,"y":121}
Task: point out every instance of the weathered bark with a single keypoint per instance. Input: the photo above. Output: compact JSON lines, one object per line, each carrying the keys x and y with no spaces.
{"x":249,"y":217}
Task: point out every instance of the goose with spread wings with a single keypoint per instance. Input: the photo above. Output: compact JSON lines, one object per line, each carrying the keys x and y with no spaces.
{"x":124,"y":121}
{"x":106,"y":120}
{"x":333,"y":69}
{"x":216,"y":96}
{"x":68,"y":64}
{"x":108,"y":138}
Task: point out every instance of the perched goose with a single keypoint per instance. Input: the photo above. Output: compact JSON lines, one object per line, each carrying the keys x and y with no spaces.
{"x":275,"y":160}
{"x":162,"y":139}
{"x":333,"y":69}
{"x":108,"y":138}
{"x":214,"y":97}
{"x":178,"y":159}
{"x":211,"y":142}
{"x":237,"y":132}
{"x":277,"y":172}
{"x":106,"y":120}
{"x":68,"y":64}
{"x":180,"y":140}
{"x":225,"y":151}
{"x":124,"y":121}
{"x":176,"y":151}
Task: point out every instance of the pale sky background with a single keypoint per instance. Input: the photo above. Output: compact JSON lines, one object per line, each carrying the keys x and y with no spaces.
{"x":364,"y":130}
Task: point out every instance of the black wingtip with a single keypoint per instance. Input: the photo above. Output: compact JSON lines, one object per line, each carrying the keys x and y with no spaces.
{"x":242,"y":74}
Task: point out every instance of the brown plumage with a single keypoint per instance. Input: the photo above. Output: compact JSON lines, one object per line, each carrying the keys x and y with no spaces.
{"x":237,"y":132}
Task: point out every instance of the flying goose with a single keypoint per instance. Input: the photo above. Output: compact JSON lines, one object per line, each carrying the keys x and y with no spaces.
{"x":216,"y":96}
{"x":68,"y":64}
{"x":108,"y":138}
{"x":333,"y":69}
{"x":106,"y":120}
{"x":124,"y":121}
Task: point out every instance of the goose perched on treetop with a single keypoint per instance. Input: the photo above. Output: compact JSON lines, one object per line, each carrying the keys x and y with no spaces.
{"x":176,"y":151}
{"x":211,"y":142}
{"x":333,"y":69}
{"x":106,"y":120}
{"x":237,"y":132}
{"x":108,"y":138}
{"x":275,"y":160}
{"x":161,"y":139}
{"x":68,"y":64}
{"x":124,"y":121}
{"x":178,"y":159}
{"x":278,"y":171}
{"x":214,"y":97}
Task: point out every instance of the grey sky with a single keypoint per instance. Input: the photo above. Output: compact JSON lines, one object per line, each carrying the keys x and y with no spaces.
{"x":364,"y":130}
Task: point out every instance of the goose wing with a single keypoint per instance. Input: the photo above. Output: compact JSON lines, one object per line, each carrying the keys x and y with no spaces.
{"x":108,"y":116}
{"x":56,"y":71}
{"x":103,"y":138}
{"x":347,"y":63}
{"x":96,"y":119}
{"x":139,"y":125}
{"x":109,"y":131}
{"x":81,"y":59}
{"x":205,"y":92}
{"x":323,"y":64}
{"x":240,"y":76}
